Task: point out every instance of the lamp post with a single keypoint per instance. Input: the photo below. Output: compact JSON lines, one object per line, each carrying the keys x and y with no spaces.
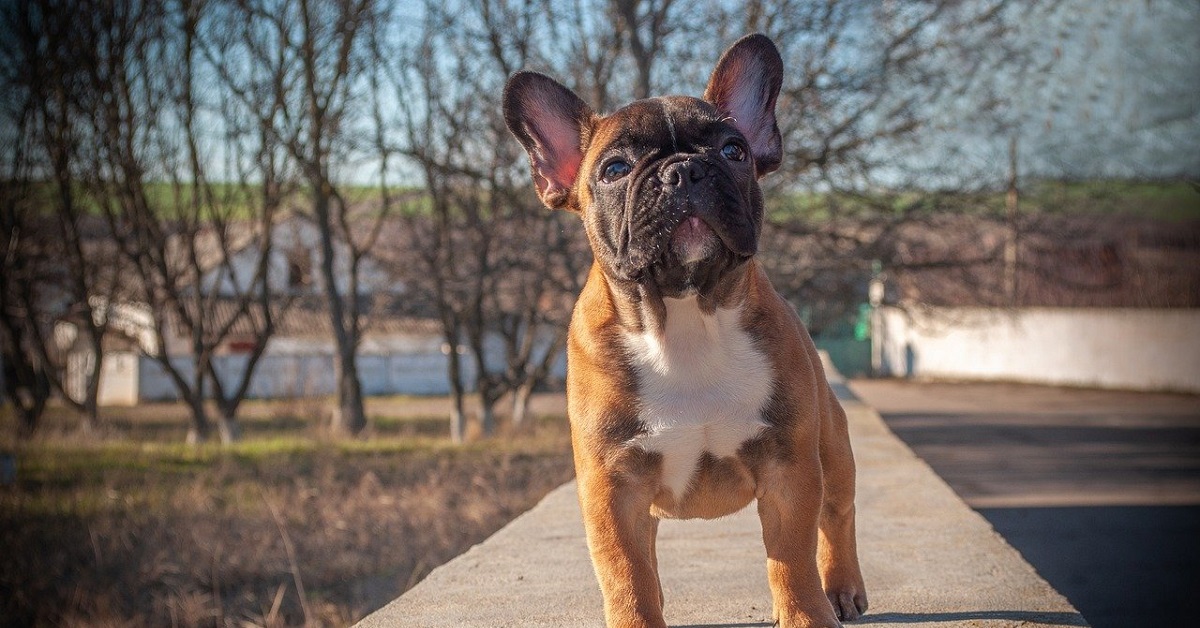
{"x":875,"y":294}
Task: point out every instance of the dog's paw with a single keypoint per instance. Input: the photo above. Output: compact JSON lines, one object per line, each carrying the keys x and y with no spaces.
{"x":849,"y":603}
{"x":821,"y":619}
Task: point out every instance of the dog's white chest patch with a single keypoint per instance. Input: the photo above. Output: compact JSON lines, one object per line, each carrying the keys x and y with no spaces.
{"x":702,"y":388}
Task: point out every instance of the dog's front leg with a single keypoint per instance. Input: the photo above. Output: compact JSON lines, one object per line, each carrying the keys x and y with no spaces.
{"x":620,"y":535}
{"x":789,"y":509}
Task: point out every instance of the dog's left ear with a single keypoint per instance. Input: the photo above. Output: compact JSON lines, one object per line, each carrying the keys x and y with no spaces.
{"x":745,"y":86}
{"x":550,"y":121}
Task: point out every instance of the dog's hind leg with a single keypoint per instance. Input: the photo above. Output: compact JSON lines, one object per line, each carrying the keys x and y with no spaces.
{"x":837,"y":549}
{"x":788,"y":508}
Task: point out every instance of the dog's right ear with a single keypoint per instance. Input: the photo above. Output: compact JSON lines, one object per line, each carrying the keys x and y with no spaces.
{"x":550,"y":122}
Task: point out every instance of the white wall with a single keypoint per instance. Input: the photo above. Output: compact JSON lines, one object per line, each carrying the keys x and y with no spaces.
{"x":1136,"y":349}
{"x":398,"y":364}
{"x":118,"y":379}
{"x":307,"y":375}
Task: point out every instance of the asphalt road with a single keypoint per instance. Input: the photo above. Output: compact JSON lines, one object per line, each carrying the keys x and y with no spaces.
{"x":1098,"y":490}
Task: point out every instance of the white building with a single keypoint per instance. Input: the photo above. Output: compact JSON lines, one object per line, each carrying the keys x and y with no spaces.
{"x":397,"y":355}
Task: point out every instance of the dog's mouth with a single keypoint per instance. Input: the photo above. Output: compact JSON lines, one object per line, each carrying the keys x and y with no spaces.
{"x":687,"y":210}
{"x":693,"y":240}
{"x":687,"y":223}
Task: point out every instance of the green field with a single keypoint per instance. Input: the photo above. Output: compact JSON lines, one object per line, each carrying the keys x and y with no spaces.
{"x":1171,"y":201}
{"x":230,"y":201}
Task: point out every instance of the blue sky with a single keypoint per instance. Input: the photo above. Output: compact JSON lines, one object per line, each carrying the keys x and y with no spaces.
{"x":1121,"y":97}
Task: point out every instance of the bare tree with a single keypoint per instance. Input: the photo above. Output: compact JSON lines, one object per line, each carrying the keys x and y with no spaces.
{"x":500,"y":270}
{"x":458,"y":250}
{"x":81,"y":274}
{"x":131,"y":97}
{"x":646,"y":24}
{"x":589,"y":39}
{"x":324,"y":95}
{"x":871,"y":88}
{"x":91,"y":270}
{"x":22,"y":253}
{"x":25,"y":380}
{"x":319,"y":55}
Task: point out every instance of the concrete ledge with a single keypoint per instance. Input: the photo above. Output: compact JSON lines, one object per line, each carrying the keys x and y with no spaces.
{"x":928,"y":560}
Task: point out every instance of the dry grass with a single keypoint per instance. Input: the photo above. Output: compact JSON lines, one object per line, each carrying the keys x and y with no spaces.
{"x":138,"y":530}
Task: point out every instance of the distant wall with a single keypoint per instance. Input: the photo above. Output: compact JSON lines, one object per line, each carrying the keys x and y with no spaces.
{"x":299,"y":375}
{"x":299,"y":369}
{"x":1135,"y":349}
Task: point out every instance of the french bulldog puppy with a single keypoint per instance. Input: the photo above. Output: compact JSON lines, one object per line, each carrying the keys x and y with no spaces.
{"x":693,"y":388}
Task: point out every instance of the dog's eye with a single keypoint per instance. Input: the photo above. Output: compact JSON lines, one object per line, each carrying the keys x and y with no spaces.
{"x":733,"y":152}
{"x":615,"y":170}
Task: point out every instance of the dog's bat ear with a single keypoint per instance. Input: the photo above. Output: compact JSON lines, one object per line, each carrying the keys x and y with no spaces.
{"x":550,"y":122}
{"x":745,"y":86}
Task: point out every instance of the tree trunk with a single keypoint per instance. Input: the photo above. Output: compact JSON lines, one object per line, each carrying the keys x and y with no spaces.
{"x":90,"y":417}
{"x":1011,"y":198}
{"x":488,"y":388}
{"x":201,"y":427}
{"x":91,"y":399}
{"x":28,"y":418}
{"x":488,"y":396}
{"x":520,"y":408}
{"x":458,"y":417}
{"x":487,"y":416}
{"x":458,"y":420}
{"x":30,"y":404}
{"x":228,"y":429}
{"x":29,"y":390}
{"x":349,"y":416}
{"x":643,"y":50}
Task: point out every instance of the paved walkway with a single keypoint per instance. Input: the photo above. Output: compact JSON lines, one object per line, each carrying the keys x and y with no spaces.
{"x":1099,"y":490}
{"x":928,"y":559}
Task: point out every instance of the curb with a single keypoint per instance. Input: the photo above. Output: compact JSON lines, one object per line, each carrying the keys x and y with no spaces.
{"x":928,"y":560}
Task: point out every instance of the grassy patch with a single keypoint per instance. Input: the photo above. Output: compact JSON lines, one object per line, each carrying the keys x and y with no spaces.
{"x":136,"y":528}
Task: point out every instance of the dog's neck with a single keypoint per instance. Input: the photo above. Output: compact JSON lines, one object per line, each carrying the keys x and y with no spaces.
{"x":641,"y":306}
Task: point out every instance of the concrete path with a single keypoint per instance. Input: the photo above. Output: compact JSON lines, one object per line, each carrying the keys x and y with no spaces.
{"x":928,"y":559}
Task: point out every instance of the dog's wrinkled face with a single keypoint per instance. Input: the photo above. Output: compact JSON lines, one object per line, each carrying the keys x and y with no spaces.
{"x":667,"y":187}
{"x":669,"y":194}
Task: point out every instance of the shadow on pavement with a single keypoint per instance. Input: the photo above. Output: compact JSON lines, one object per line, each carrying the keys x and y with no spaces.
{"x":1121,"y":566}
{"x":1052,"y":619}
{"x":1098,"y":490}
{"x":993,"y":459}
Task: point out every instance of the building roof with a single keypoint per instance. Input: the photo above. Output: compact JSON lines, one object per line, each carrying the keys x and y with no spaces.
{"x":308,"y":317}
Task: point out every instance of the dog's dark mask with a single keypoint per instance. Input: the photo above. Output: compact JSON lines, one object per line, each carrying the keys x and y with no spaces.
{"x":674,"y":196}
{"x":667,"y":187}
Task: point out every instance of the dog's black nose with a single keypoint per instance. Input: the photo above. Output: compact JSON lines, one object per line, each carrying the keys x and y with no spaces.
{"x":688,"y":170}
